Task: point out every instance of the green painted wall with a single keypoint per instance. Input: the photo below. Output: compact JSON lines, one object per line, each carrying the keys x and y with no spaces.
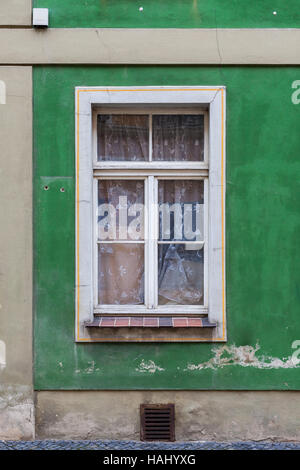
{"x":172,"y":13}
{"x":263,"y":233}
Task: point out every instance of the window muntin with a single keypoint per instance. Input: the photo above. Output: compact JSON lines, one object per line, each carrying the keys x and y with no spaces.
{"x":160,"y":273}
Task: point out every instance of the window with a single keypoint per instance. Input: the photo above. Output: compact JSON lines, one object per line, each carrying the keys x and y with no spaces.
{"x":151,"y":229}
{"x":150,"y":255}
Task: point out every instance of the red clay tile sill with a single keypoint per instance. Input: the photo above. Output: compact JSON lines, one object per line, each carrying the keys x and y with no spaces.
{"x":149,"y":322}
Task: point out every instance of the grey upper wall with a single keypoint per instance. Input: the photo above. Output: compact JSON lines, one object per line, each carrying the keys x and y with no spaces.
{"x":15,"y":12}
{"x":16,"y":397}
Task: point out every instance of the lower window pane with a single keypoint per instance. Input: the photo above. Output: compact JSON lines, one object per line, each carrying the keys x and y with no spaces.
{"x":180,"y":274}
{"x":121,"y":274}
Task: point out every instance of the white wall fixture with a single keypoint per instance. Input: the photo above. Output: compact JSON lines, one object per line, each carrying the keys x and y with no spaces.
{"x":40,"y":17}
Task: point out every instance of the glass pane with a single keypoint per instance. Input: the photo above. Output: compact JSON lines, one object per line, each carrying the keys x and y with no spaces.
{"x":120,"y":209}
{"x":180,"y":274}
{"x":178,"y":137}
{"x":121,"y":273}
{"x":181,"y":210}
{"x":123,"y":137}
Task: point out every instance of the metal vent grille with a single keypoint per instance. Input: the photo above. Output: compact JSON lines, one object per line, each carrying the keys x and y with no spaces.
{"x":158,"y":422}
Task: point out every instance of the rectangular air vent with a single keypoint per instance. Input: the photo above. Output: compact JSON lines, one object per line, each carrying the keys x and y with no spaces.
{"x":158,"y":422}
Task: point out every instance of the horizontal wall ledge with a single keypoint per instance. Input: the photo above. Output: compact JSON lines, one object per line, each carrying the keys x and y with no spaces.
{"x":150,"y":46}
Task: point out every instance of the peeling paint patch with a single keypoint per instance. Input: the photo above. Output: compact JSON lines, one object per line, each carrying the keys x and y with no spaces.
{"x":149,"y":366}
{"x":89,"y":369}
{"x":244,"y":356}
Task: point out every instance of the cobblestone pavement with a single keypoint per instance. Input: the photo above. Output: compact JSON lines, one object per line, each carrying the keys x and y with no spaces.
{"x":136,"y":445}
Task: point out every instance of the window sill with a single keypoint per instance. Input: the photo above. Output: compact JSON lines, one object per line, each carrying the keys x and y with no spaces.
{"x":149,"y":322}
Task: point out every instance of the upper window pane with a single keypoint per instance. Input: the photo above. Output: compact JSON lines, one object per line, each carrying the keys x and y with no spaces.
{"x":178,"y":137}
{"x":123,"y":137}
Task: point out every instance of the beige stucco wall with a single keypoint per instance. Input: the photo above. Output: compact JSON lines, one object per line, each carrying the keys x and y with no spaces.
{"x":205,"y":415}
{"x":148,"y":46}
{"x":16,"y":397}
{"x":15,"y":12}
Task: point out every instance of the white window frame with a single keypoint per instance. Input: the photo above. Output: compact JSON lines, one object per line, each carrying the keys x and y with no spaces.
{"x":88,"y":103}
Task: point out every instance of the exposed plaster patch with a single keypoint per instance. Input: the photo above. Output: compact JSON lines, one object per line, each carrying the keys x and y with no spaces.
{"x":88,"y":370}
{"x":16,"y":412}
{"x":244,"y":356}
{"x":149,"y":366}
{"x":13,"y":395}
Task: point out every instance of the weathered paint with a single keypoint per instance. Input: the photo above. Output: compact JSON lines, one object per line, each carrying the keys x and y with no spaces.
{"x":263,"y":230}
{"x":172,"y":13}
{"x":244,"y":356}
